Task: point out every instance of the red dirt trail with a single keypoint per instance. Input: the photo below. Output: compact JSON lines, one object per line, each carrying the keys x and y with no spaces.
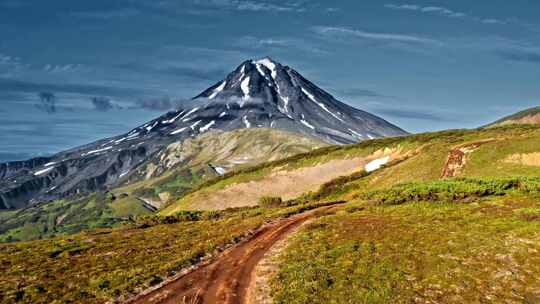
{"x":227,"y":278}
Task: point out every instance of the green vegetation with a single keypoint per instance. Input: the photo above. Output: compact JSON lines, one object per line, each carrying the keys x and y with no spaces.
{"x":270,"y":202}
{"x":426,"y":165}
{"x":99,"y":265}
{"x":405,"y":234}
{"x":176,"y":183}
{"x":460,"y":189}
{"x":189,"y":167}
{"x":431,"y":247}
{"x":65,"y":217}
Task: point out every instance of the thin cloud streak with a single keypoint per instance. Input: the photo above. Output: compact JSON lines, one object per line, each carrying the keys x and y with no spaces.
{"x":359,"y":92}
{"x":276,"y":44}
{"x":414,"y":114}
{"x":442,"y":11}
{"x":520,"y":55}
{"x":105,"y":15}
{"x":201,"y":7}
{"x":331,"y":31}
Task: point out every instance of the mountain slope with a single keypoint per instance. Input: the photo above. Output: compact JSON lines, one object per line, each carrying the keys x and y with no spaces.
{"x":528,"y":116}
{"x":166,"y":176}
{"x":256,"y":94}
{"x":500,"y":151}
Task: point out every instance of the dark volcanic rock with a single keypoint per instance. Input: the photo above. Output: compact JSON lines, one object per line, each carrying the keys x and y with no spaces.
{"x":258,"y":94}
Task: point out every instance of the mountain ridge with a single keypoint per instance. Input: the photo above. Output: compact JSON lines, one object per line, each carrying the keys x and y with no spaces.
{"x":527,"y":116}
{"x":257,"y":94}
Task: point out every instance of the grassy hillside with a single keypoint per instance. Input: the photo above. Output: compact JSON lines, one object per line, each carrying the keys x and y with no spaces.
{"x":168,"y":176}
{"x":65,"y":217}
{"x":528,"y":116}
{"x":405,"y":235}
{"x":100,"y":265}
{"x":183,"y":165}
{"x":419,"y":157}
{"x":452,"y":241}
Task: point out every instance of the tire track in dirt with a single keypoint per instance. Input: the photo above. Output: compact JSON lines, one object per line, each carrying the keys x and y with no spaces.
{"x":457,"y":157}
{"x":227,"y":278}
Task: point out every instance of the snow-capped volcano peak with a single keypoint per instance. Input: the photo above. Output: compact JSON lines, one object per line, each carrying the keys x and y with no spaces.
{"x":257,"y":94}
{"x":269,"y":64}
{"x":269,"y":94}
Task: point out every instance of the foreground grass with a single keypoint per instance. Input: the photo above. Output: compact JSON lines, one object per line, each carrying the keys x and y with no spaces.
{"x":100,"y":265}
{"x":441,"y":250}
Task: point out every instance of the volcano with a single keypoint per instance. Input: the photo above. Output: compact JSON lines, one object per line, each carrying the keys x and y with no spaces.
{"x":257,"y":94}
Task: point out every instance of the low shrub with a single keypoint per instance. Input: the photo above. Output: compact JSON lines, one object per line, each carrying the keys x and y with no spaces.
{"x":458,"y":189}
{"x":270,"y":201}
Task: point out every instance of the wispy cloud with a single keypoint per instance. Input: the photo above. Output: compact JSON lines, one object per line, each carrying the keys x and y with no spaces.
{"x":156,"y":104}
{"x":532,"y":56}
{"x":58,"y":68}
{"x":111,"y":14}
{"x":205,"y":6}
{"x":6,"y":59}
{"x":197,"y":73}
{"x":260,"y":6}
{"x":331,"y":31}
{"x":275,"y":44}
{"x":360,"y":92}
{"x":11,"y":62}
{"x":13,"y":85}
{"x":414,"y":114}
{"x":442,"y":11}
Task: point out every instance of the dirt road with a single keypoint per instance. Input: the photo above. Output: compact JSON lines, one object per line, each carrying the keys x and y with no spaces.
{"x":227,"y":278}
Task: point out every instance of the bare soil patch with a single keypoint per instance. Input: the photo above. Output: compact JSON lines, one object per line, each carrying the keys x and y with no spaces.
{"x":283,"y":183}
{"x":457,"y":157}
{"x":529,"y":159}
{"x":529,"y":119}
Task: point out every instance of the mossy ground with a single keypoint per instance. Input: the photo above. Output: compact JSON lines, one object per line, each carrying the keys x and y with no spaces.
{"x":485,"y":250}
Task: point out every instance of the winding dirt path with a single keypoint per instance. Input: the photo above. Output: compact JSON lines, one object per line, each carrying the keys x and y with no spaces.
{"x":227,"y":278}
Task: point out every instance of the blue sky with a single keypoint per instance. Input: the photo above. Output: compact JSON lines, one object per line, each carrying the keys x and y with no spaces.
{"x":423,"y":65}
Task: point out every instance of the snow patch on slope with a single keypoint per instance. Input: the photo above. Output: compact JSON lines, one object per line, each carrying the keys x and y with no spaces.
{"x":246,"y":122}
{"x":270,"y":65}
{"x":207,"y":126}
{"x":245,"y":87}
{"x":189,"y":113}
{"x":97,"y":151}
{"x":376,"y":164}
{"x":356,"y":134}
{"x":166,"y":122}
{"x":178,"y":131}
{"x":305,"y":123}
{"x":322,"y":105}
{"x":41,"y":172}
{"x":218,"y":89}
{"x":194,"y":125}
